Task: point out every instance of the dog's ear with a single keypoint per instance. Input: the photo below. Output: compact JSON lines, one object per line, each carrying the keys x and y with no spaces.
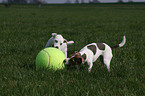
{"x":70,"y":42}
{"x":71,"y":55}
{"x":54,"y":35}
{"x":65,"y":41}
{"x":77,"y":54}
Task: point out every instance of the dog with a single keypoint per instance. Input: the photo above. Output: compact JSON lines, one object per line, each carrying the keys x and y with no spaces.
{"x":91,"y":52}
{"x":59,"y":42}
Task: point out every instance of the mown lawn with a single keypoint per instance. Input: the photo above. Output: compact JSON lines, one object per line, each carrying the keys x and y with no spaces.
{"x":25,"y":29}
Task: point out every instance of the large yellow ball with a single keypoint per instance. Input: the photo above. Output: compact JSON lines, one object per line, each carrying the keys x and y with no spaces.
{"x":51,"y":58}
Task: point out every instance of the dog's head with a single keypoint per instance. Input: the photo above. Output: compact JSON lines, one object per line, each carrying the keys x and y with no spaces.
{"x":76,"y":59}
{"x":58,"y":40}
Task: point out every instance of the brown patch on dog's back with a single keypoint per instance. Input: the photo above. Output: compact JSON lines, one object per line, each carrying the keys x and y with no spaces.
{"x":92,"y":48}
{"x":101,"y":46}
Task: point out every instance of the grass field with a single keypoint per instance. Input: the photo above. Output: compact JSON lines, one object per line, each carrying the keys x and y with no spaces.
{"x":25,"y":29}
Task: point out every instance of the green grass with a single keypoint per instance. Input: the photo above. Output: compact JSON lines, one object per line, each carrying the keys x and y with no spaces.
{"x":25,"y":29}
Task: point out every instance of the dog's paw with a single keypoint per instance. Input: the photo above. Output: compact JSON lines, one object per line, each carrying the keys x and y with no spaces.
{"x":89,"y":70}
{"x":108,"y":70}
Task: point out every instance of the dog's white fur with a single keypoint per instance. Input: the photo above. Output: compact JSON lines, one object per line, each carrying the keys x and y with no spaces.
{"x":59,"y":42}
{"x":91,"y":57}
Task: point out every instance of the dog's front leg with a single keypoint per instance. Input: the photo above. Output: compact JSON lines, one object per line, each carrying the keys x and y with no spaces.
{"x":63,"y":48}
{"x":90,"y":66}
{"x":65,"y":52}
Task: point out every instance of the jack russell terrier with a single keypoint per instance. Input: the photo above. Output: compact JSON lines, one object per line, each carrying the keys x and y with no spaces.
{"x":91,"y":52}
{"x":59,"y":42}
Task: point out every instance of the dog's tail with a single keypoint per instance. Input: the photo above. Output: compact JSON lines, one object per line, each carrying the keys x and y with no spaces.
{"x":121,"y":44}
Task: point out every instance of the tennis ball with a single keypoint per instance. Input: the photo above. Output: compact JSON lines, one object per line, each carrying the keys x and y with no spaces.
{"x":51,"y":58}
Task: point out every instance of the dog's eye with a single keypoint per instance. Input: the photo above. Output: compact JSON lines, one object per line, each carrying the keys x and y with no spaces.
{"x":56,"y":41}
{"x":60,"y":43}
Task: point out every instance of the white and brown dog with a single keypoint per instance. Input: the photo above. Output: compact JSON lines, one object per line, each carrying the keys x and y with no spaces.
{"x":91,"y":52}
{"x":59,"y":42}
